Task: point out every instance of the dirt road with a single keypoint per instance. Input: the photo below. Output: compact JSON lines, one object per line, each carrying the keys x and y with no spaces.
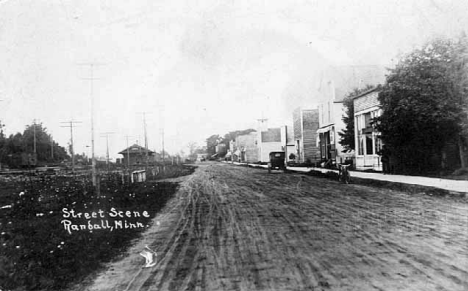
{"x":238,"y":228}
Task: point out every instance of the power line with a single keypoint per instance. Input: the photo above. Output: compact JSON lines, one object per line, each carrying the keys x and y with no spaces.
{"x":51,"y":147}
{"x":91,"y":78}
{"x":146,"y":137}
{"x":106,"y":135}
{"x":161,"y":119}
{"x":70,"y":123}
{"x":34,"y":131}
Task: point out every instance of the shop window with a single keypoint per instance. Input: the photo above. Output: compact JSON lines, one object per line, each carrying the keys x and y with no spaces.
{"x":369,"y":146}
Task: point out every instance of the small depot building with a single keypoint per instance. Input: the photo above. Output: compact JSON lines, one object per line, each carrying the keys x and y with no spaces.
{"x":135,"y":155}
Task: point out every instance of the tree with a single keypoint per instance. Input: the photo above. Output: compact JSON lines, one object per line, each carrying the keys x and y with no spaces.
{"x":458,"y":69}
{"x":211,"y":144}
{"x":13,"y":147}
{"x":421,"y":114}
{"x":347,"y":134}
{"x":232,"y":135}
{"x":192,"y":146}
{"x":44,"y":144}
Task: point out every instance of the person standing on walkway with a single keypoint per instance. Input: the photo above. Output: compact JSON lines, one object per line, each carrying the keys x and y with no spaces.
{"x":385,"y":159}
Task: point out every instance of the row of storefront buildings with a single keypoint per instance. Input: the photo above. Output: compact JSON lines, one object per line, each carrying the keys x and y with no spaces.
{"x":313,"y":138}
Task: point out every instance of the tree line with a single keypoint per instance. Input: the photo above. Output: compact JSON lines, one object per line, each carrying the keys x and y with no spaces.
{"x":17,"y":150}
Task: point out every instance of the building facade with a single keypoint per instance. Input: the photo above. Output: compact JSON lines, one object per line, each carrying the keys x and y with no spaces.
{"x":287,"y":142}
{"x":270,"y":141}
{"x":330,"y":124}
{"x":135,"y":155}
{"x":367,"y":138}
{"x":246,"y":144}
{"x":305,"y":124}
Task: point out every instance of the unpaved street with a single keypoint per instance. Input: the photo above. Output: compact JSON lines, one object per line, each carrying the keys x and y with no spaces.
{"x":239,"y":228}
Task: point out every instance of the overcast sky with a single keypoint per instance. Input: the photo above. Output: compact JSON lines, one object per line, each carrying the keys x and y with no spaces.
{"x":197,"y":67}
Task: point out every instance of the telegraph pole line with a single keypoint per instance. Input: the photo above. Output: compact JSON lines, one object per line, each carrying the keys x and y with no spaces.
{"x":91,"y":78}
{"x":146,"y":139}
{"x":71,"y":123}
{"x":106,"y":135}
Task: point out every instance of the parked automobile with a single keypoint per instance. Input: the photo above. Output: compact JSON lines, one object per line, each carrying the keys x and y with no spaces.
{"x":277,"y":161}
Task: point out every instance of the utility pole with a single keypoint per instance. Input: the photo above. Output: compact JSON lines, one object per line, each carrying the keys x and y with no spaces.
{"x":262,"y":125}
{"x":146,"y":139}
{"x":106,"y":135}
{"x":72,"y":152}
{"x":34,"y":130}
{"x":91,"y":78}
{"x":161,"y":120}
{"x":163,"y":154}
{"x":51,"y":147}
{"x":128,"y":153}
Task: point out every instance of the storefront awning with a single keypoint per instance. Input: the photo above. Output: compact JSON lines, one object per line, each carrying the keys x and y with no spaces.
{"x":324,"y":129}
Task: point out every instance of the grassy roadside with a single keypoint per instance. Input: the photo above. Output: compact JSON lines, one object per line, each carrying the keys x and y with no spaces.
{"x":56,"y":232}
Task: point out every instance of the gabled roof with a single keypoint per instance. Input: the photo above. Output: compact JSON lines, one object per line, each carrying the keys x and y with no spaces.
{"x":135,"y":149}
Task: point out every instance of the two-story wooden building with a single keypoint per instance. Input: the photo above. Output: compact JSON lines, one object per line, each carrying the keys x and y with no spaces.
{"x":306,"y":123}
{"x":367,"y":138}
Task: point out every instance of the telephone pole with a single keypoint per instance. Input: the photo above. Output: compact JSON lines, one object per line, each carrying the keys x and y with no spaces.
{"x":146,"y":139}
{"x":128,"y":153}
{"x":91,"y":78}
{"x":163,"y":155}
{"x":51,"y":147}
{"x":106,"y":135}
{"x":71,"y":123}
{"x":34,"y":130}
{"x":161,"y":120}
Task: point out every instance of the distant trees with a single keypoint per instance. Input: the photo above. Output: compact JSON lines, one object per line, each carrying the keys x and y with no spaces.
{"x":424,"y":102}
{"x":47,"y":150}
{"x":193,"y":150}
{"x":232,"y":135}
{"x":215,"y":139}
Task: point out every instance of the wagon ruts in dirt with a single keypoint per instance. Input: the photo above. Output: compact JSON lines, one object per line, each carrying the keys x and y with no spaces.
{"x":277,"y":161}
